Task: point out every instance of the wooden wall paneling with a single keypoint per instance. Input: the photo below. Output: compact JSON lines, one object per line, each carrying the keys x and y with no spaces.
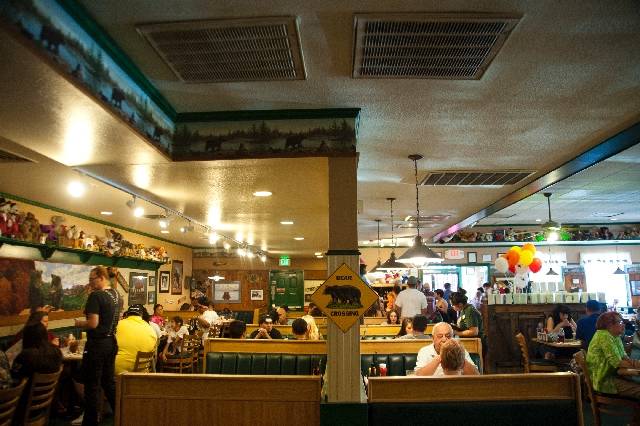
{"x":152,"y":399}
{"x":249,"y":280}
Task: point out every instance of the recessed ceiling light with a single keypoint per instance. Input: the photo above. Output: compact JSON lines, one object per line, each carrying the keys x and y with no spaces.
{"x":613,"y":218}
{"x":164,"y":231}
{"x":318,"y":253}
{"x":320,"y":257}
{"x":75,"y":189}
{"x":106,"y":213}
{"x":298,"y":238}
{"x":262,"y":193}
{"x":286,"y":222}
{"x":138,"y":212}
{"x":538,"y":220}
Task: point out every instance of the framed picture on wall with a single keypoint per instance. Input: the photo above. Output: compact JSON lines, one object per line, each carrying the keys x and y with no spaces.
{"x":257,"y":294}
{"x":472,"y":257}
{"x":164,"y":282}
{"x":176,"y":277}
{"x":152,"y":283}
{"x":138,"y":288}
{"x":151,"y":298}
{"x":635,"y":288}
{"x":227,"y":292}
{"x":486,"y":258}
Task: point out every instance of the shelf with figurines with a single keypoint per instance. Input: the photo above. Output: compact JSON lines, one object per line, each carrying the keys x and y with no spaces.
{"x":24,"y":230}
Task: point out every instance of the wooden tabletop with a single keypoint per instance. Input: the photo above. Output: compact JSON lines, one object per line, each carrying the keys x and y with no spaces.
{"x":568,"y":343}
{"x":628,"y":372}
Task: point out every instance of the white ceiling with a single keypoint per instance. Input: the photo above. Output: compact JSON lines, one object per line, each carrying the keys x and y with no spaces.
{"x":567,"y":78}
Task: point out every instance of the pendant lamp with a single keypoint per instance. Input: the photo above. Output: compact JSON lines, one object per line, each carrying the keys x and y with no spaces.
{"x":618,"y":271}
{"x":375,"y":271}
{"x":419,"y":255}
{"x":552,"y":272}
{"x":392,"y":264}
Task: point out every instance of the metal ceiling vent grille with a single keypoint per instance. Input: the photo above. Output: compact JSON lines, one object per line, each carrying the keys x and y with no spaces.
{"x":432,"y":46}
{"x":260,"y":49}
{"x":8,"y":157}
{"x":475,"y":178}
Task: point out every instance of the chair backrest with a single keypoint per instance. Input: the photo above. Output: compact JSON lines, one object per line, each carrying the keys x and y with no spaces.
{"x":144,"y":362}
{"x":9,"y":402}
{"x":524,"y":349}
{"x":43,"y":388}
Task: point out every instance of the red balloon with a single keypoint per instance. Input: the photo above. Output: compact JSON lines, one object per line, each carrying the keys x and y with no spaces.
{"x":512,"y":268}
{"x":535,"y":265}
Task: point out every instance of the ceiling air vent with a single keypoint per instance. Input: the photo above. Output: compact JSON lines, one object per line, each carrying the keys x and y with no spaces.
{"x":475,"y":178}
{"x":228,"y":50}
{"x":8,"y":157}
{"x":433,"y":46}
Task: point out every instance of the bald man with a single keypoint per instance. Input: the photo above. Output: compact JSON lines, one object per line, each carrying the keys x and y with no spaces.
{"x":428,"y":362}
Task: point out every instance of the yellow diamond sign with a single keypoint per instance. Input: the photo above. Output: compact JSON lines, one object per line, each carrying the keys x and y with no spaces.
{"x":344,"y":297}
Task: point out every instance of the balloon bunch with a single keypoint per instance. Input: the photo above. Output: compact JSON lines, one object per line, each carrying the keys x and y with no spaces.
{"x":519,"y":259}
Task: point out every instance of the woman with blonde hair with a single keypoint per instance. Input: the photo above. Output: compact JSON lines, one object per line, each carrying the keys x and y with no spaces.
{"x":314,"y":333}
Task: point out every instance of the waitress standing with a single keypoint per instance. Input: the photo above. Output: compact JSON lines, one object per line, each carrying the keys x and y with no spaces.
{"x":469,"y":319}
{"x":98,"y":361}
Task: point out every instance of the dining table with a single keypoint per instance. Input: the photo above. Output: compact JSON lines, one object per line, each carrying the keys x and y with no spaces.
{"x":567,"y":344}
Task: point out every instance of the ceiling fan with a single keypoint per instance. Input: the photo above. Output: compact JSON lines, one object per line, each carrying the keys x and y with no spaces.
{"x":550,"y":227}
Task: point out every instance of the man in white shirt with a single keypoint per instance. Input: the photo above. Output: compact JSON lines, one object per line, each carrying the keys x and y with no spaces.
{"x":208,"y":317}
{"x":410,"y":301}
{"x":428,"y":362}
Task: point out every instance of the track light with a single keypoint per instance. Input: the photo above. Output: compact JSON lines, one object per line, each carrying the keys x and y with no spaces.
{"x":137,"y":210}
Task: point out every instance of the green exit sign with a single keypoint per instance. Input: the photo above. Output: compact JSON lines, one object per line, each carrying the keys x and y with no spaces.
{"x":285,"y":261}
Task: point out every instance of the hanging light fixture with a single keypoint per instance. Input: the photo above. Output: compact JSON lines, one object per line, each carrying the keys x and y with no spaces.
{"x":392,"y":264}
{"x":419,"y":255}
{"x":618,"y":271}
{"x":551,"y":272}
{"x":375,"y":271}
{"x":551,"y":228}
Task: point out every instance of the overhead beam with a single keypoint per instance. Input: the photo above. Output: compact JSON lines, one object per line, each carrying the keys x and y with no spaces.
{"x":606,"y":149}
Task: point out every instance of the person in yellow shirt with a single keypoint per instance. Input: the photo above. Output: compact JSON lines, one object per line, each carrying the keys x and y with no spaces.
{"x":133,"y":334}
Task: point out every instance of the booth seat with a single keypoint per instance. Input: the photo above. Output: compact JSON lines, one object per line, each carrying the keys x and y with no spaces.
{"x":274,"y":364}
{"x":505,"y":399}
{"x":401,"y":355}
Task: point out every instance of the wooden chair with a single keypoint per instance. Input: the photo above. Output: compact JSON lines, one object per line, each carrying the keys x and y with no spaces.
{"x":43,"y":388}
{"x":9,"y":402}
{"x":189,"y":349}
{"x":144,"y":362}
{"x":603,"y":402}
{"x":533,"y":366}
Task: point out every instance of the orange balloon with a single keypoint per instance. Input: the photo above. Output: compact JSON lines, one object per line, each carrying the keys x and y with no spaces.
{"x":530,"y":247}
{"x":513,"y":257}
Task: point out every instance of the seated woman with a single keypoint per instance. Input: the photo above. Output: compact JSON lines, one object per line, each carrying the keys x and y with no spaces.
{"x":560,"y":319}
{"x":392,"y":318}
{"x":312,"y":327}
{"x":37,"y":317}
{"x":157,"y":318}
{"x":452,"y":358}
{"x":391,"y":298}
{"x":606,"y":355}
{"x":406,"y":327}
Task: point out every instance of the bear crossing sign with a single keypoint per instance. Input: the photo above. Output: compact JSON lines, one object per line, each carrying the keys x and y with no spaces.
{"x":344,"y":297}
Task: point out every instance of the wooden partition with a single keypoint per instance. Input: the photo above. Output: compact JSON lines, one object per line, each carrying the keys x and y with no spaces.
{"x":285,"y":330}
{"x":185,"y":315}
{"x":202,"y":399}
{"x":502,"y":387}
{"x":265,"y":346}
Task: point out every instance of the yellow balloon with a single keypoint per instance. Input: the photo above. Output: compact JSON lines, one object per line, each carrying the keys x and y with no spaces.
{"x":526,"y":257}
{"x":530,"y":247}
{"x":516,"y":249}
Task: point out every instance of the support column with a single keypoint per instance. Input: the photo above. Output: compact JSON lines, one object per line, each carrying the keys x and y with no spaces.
{"x":343,"y":349}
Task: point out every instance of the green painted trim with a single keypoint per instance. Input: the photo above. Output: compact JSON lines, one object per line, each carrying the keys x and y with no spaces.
{"x":274,"y":114}
{"x":102,"y":38}
{"x":564,"y":225}
{"x":89,"y":218}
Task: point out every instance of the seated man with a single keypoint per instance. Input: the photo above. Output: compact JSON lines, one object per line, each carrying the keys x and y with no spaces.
{"x":237,"y":329}
{"x":586,"y":326}
{"x":208,"y":317}
{"x":419,"y":326}
{"x":452,"y":358}
{"x":281,"y":314}
{"x":266,"y":330}
{"x":429,"y":359}
{"x":133,"y":334}
{"x":176,"y":332}
{"x":300,"y":329}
